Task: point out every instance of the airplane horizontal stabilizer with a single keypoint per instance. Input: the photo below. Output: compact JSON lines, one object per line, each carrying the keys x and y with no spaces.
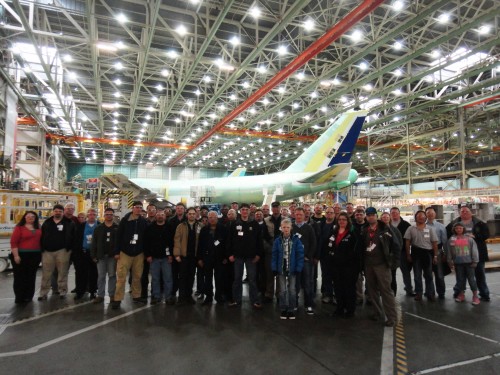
{"x":337,"y":172}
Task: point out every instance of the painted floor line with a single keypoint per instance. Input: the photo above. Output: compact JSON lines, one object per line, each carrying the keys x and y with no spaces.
{"x":457,"y":364}
{"x":46,"y":344}
{"x":44,"y":315}
{"x":454,"y":329}
{"x":387,"y":357}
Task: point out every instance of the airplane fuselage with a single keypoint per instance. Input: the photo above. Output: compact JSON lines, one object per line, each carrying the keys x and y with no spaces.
{"x":248,"y":189}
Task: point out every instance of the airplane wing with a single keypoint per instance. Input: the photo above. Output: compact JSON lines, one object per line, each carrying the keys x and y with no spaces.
{"x":337,"y":172}
{"x":238,"y":172}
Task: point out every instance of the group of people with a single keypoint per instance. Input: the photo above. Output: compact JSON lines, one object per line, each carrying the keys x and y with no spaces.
{"x":279,"y":249}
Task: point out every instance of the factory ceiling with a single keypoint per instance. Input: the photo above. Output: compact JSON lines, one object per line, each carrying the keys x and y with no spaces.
{"x":152,"y":81}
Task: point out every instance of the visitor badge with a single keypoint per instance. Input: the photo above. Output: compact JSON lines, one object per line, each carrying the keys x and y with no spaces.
{"x":136,"y":237}
{"x":89,"y":238}
{"x":299,"y":235}
{"x":108,"y":234}
{"x":332,"y":238}
{"x":371,"y":247}
{"x":60,"y":227}
{"x":216,"y":243}
{"x":107,"y":239}
{"x":240,"y":233}
{"x":239,"y":227}
{"x":167,"y":251}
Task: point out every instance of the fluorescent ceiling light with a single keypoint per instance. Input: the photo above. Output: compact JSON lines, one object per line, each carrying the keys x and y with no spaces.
{"x":118,"y":65}
{"x":165,"y":72}
{"x":118,"y":82}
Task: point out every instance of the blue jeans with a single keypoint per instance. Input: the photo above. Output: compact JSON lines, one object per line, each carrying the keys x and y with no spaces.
{"x":239,"y":265}
{"x":161,"y":268}
{"x":288,"y":292}
{"x":423,"y":265}
{"x":481,"y":281}
{"x":465,"y":272}
{"x":106,"y":265}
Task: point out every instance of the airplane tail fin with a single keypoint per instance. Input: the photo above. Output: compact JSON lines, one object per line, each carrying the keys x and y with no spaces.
{"x":238,"y":172}
{"x":334,"y":146}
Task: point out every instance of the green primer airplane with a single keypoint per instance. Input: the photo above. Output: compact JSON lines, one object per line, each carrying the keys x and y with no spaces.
{"x":325,"y":165}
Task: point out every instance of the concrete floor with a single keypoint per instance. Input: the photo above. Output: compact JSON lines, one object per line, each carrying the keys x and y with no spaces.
{"x":61,"y":337}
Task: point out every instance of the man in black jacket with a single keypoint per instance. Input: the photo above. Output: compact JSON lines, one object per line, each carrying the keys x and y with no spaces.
{"x":213,"y":261}
{"x":129,"y":254}
{"x":57,"y":242}
{"x":158,"y":254}
{"x":244,"y":248}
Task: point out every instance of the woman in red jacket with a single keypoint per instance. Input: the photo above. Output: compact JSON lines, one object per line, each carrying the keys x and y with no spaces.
{"x":25,"y":256}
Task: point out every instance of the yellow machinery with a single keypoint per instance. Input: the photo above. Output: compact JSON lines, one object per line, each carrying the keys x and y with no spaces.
{"x":13,"y":205}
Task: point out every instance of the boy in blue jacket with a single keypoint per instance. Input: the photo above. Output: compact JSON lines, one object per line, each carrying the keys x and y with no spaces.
{"x":287,"y":262}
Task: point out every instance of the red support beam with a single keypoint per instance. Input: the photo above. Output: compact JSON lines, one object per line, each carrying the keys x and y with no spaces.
{"x":356,"y":15}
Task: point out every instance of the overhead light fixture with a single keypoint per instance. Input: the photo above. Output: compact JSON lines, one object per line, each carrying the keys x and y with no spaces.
{"x":262,"y":68}
{"x":207,"y":79}
{"x":118,"y":65}
{"x":308,"y":24}
{"x":118,"y":82}
{"x":164,"y":72}
{"x":197,"y":92}
{"x":300,"y":76}
{"x":363,"y":65}
{"x":444,"y":17}
{"x":357,"y":35}
{"x":398,"y":5}
{"x":107,"y":47}
{"x":282,"y":50}
{"x":172,"y":54}
{"x":235,"y":41}
{"x":181,"y":30}
{"x":117,"y":94}
{"x":483,"y":30}
{"x":436,"y":53}
{"x":159,"y":87}
{"x":398,"y":45}
{"x":121,"y":18}
{"x":246,"y":85}
{"x":255,"y":12}
{"x":67,"y":58}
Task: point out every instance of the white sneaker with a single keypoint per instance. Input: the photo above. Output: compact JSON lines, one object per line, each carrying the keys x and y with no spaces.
{"x":309,"y":311}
